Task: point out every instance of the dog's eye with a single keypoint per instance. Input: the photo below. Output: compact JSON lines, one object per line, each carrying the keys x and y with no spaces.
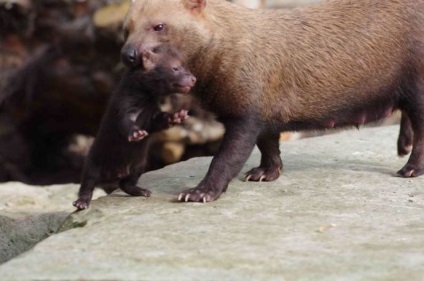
{"x":175,"y":68}
{"x":159,"y":27}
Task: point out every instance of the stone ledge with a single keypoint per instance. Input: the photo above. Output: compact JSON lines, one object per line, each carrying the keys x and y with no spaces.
{"x":337,"y":213}
{"x":30,"y":214}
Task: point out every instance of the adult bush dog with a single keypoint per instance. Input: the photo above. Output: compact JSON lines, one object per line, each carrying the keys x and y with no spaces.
{"x":339,"y":63}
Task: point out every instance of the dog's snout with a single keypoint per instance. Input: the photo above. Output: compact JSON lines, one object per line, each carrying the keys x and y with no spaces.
{"x":129,"y":56}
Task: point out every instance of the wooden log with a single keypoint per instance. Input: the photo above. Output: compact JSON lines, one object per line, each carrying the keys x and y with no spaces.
{"x":172,"y":152}
{"x":111,"y":16}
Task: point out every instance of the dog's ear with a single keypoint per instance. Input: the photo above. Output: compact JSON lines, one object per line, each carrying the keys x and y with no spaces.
{"x":195,"y":5}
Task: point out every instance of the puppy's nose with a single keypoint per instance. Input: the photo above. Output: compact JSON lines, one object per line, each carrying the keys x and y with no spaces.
{"x":129,"y":57}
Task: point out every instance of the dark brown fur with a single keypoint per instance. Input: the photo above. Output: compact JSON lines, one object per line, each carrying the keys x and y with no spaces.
{"x":116,"y":154}
{"x":335,"y":64}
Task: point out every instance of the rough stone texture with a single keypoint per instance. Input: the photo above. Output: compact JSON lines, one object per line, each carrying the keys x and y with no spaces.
{"x":20,"y":232}
{"x":337,"y":213}
{"x":21,"y":198}
{"x":29,"y":214}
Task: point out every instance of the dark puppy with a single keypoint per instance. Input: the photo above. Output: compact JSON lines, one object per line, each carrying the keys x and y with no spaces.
{"x":133,"y":112}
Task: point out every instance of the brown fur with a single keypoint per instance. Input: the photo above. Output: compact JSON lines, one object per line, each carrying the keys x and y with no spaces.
{"x":334,"y":64}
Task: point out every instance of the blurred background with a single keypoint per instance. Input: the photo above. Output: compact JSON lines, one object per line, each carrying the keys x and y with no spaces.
{"x":59,"y":62}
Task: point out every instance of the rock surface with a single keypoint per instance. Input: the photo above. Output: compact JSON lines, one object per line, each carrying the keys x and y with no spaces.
{"x":29,"y":214}
{"x":337,"y":213}
{"x":20,"y":232}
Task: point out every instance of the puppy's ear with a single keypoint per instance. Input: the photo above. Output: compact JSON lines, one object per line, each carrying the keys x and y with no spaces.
{"x":150,"y":59}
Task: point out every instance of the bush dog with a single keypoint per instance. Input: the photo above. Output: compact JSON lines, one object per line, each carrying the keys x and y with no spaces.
{"x":132,"y":113}
{"x":334,"y":64}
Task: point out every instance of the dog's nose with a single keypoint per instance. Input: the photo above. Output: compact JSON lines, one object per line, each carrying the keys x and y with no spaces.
{"x":129,"y":57}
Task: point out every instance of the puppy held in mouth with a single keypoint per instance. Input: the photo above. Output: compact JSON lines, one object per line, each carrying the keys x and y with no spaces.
{"x":132,"y":114}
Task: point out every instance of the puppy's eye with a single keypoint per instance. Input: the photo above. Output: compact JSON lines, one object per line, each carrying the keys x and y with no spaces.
{"x":159,"y":27}
{"x":175,"y":68}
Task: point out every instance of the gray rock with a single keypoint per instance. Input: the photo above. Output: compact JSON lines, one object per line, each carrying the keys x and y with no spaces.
{"x":337,"y":213}
{"x":20,"y":232}
{"x":16,"y":197}
{"x":30,"y":214}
